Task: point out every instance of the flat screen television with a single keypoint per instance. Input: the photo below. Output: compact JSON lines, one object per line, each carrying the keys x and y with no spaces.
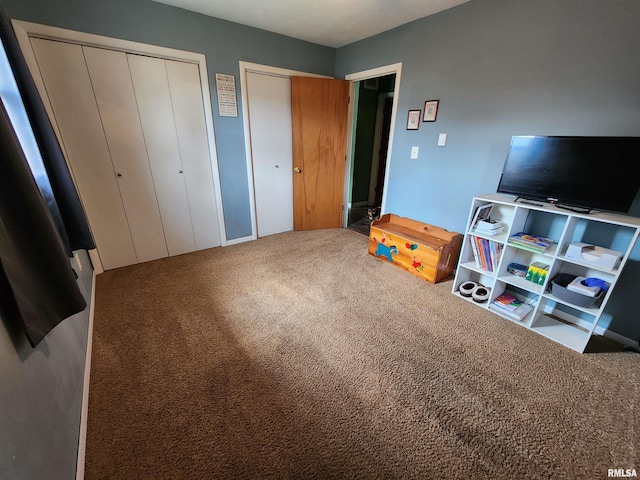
{"x":586,"y":173}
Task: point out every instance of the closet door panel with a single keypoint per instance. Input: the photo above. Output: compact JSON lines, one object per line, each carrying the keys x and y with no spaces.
{"x":109,"y":72}
{"x":69,"y":89}
{"x":153,"y":97}
{"x":269,"y":102}
{"x":188,"y":110}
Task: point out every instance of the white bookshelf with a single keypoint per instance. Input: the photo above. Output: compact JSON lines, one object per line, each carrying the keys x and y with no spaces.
{"x":555,"y":318}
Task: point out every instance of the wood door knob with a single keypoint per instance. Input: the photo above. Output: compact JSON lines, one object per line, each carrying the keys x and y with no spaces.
{"x":297,"y":170}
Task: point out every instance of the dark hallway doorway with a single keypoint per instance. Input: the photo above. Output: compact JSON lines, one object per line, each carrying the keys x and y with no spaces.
{"x":373,"y":123}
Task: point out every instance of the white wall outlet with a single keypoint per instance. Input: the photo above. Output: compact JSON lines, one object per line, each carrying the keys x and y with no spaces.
{"x":442,"y":139}
{"x":414,"y":153}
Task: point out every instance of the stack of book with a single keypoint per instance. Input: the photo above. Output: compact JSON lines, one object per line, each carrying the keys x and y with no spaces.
{"x":531,"y":242}
{"x":488,"y":227}
{"x":508,"y":305}
{"x":486,"y":253}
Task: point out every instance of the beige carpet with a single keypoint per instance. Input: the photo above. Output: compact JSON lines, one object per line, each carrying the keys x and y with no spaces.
{"x":300,"y":356}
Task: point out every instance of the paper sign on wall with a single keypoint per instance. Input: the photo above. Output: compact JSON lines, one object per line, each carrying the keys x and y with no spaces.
{"x":226,"y":87}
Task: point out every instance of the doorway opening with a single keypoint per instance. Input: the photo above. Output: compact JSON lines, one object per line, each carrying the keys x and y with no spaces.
{"x":373,"y":105}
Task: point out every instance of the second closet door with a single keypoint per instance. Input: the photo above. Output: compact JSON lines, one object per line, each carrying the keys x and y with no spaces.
{"x":269,"y":101}
{"x":189,"y":117}
{"x":151,"y":86}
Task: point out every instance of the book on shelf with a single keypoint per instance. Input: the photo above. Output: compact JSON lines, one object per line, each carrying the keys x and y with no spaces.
{"x":510,"y":306}
{"x":486,"y":253}
{"x":496,"y":254}
{"x":476,"y":253}
{"x":507,"y":301}
{"x":534,"y":242}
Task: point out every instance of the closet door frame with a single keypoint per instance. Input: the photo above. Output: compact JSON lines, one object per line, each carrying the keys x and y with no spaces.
{"x":25,"y":30}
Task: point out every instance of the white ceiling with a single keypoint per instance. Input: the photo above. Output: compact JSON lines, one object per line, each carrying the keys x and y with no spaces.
{"x":333,"y":23}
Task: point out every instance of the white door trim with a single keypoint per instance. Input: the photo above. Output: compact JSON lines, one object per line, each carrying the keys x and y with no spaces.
{"x":265,"y":70}
{"x":356,"y":77}
{"x":25,"y":30}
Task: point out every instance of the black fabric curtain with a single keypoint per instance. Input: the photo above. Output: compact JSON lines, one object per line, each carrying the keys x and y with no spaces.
{"x":41,"y":220}
{"x":36,"y":277}
{"x":58,"y":189}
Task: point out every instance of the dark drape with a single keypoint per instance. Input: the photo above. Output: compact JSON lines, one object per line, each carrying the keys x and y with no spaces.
{"x":58,"y":190}
{"x":35,"y":272}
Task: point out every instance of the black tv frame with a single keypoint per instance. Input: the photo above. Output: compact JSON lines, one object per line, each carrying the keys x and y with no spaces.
{"x":572,"y":153}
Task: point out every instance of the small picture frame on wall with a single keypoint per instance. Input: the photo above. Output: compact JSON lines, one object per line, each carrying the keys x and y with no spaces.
{"x":430,"y":110}
{"x":413,"y":120}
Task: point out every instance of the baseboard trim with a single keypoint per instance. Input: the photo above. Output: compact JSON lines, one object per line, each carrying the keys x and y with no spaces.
{"x":82,"y":441}
{"x":626,"y":341}
{"x":235,"y":241}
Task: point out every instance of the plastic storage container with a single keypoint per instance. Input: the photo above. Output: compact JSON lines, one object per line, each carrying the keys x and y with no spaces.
{"x":559,"y":289}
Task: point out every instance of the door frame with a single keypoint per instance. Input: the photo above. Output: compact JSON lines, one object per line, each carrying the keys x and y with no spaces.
{"x":25,"y":30}
{"x":395,"y":68}
{"x":246,"y":67}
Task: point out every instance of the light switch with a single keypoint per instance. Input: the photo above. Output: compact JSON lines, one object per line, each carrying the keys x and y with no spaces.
{"x":414,"y":153}
{"x":442,"y":139}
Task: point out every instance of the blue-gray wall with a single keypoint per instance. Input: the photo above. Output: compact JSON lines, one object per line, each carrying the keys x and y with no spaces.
{"x":503,"y":68}
{"x":499,"y":68}
{"x":41,"y":395}
{"x":224,"y":44}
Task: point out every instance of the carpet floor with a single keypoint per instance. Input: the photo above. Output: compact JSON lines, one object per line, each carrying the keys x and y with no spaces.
{"x":301,"y":356}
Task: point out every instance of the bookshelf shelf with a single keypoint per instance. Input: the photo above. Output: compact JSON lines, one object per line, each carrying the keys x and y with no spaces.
{"x":521,"y":283}
{"x":553,"y":317}
{"x":568,"y":335}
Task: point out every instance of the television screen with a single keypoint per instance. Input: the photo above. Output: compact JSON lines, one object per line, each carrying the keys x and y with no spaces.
{"x":589,"y":172}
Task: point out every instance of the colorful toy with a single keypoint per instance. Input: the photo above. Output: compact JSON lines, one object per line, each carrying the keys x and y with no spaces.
{"x":386,"y":251}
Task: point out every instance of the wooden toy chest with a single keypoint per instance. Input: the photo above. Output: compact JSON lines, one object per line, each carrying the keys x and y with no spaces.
{"x":426,"y":251}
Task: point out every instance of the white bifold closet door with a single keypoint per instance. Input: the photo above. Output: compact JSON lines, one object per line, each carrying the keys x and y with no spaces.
{"x":116,"y":101}
{"x":134,"y":132}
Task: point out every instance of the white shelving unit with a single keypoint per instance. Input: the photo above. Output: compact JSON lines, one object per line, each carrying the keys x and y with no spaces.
{"x":552,"y":317}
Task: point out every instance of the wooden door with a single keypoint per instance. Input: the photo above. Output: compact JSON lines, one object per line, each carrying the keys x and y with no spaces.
{"x":269,"y":102}
{"x":319,"y":109}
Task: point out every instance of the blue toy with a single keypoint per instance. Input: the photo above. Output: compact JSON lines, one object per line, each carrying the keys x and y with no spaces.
{"x":596,"y":282}
{"x":384,"y":251}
